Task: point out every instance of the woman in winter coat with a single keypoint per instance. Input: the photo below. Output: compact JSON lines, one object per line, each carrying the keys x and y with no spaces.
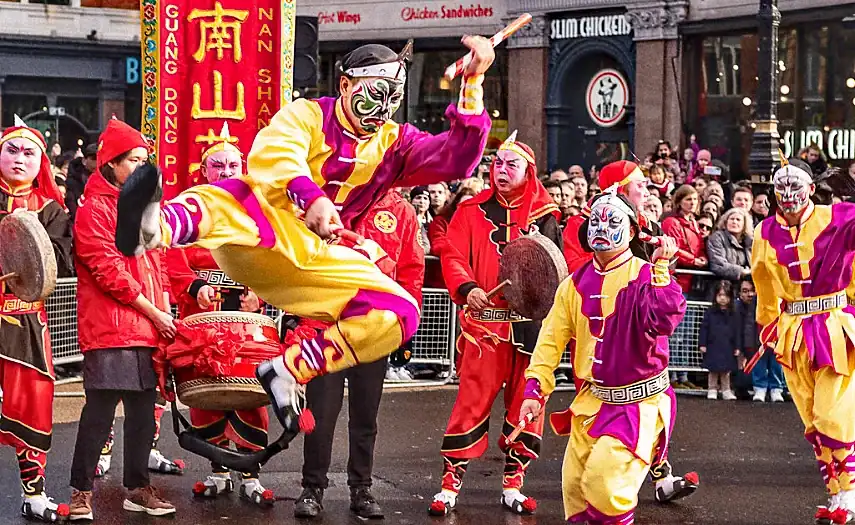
{"x":683,"y":227}
{"x":729,"y":247}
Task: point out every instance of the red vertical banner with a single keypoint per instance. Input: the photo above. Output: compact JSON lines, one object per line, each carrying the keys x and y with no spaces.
{"x":206,"y":63}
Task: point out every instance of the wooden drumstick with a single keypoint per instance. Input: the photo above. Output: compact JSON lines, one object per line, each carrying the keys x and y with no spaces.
{"x":519,"y":429}
{"x":457,"y":68}
{"x":654,"y":241}
{"x":495,"y":291}
{"x":8,"y":276}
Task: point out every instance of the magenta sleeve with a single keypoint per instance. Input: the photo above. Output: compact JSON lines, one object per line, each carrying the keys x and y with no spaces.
{"x":303,"y":191}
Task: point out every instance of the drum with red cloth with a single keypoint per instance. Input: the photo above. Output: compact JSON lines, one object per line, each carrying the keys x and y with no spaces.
{"x":214,"y":356}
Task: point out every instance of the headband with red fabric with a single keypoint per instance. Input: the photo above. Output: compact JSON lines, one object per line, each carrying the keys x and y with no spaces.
{"x":536,"y":200}
{"x":44,"y":183}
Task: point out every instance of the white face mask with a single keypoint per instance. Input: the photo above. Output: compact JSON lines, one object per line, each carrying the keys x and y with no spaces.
{"x":792,"y":189}
{"x":608,"y":227}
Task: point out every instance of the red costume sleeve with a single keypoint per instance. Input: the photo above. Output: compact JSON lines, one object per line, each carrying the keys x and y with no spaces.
{"x":181,"y":276}
{"x":95,"y":249}
{"x":164,"y":278}
{"x":573,"y":252}
{"x":456,"y":269}
{"x":672,"y":228}
{"x":411,"y":257}
{"x":437,"y":235}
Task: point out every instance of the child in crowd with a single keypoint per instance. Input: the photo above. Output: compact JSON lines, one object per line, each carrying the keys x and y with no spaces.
{"x":767,"y":376}
{"x":720,"y":340}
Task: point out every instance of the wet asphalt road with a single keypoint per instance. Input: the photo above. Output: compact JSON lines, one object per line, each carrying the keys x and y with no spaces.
{"x":755,"y":468}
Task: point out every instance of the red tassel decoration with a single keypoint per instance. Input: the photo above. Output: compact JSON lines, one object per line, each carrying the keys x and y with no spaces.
{"x":63,"y":510}
{"x":179,"y":463}
{"x":438,"y":507}
{"x":306,"y":421}
{"x":199,"y":488}
{"x":530,"y":504}
{"x":692,"y":477}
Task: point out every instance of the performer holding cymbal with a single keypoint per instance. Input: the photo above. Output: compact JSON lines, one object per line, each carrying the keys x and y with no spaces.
{"x":26,"y":363}
{"x":318,"y":167}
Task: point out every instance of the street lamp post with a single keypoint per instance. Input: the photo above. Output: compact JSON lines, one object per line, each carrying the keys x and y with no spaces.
{"x":767,"y":140}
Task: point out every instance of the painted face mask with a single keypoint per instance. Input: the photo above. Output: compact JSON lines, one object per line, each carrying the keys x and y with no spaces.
{"x":374,"y":101}
{"x":608,"y":226}
{"x":792,"y":189}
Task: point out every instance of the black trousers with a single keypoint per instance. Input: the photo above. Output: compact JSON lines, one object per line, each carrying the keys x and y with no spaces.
{"x":325,"y":395}
{"x":94,"y":427}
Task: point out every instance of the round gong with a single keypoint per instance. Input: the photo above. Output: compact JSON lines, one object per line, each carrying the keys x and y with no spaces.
{"x":26,"y":250}
{"x":535,"y":267}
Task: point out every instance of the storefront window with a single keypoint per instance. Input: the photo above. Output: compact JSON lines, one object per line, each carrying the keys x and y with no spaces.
{"x":429,"y":93}
{"x":726,"y":97}
{"x":21,"y":105}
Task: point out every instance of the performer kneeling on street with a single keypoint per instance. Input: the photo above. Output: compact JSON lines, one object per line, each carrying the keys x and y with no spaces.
{"x":803,"y":256}
{"x":199,"y":285}
{"x":268,"y":229}
{"x":619,"y":309}
{"x":393,"y":225}
{"x":626,"y":178}
{"x":26,"y":361}
{"x":496,"y":342}
{"x":123,"y":310}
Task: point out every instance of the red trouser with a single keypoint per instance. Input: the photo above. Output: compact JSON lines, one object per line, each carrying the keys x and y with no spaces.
{"x":247,"y":429}
{"x":26,"y":420}
{"x":483,"y":371}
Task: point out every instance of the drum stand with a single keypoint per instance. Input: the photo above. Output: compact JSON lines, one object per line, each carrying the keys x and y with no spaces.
{"x":189,"y":440}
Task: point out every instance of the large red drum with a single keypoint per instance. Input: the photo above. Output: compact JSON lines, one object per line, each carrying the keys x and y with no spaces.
{"x":214,"y":357}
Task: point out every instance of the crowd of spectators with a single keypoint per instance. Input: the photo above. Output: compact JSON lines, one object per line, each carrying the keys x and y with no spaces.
{"x":692,"y":197}
{"x":696,"y":201}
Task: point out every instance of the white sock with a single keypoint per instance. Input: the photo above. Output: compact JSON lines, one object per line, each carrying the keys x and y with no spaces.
{"x":666,"y":483}
{"x":512,"y":495}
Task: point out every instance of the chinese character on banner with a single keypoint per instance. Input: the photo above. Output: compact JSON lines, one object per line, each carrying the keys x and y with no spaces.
{"x":207,"y":63}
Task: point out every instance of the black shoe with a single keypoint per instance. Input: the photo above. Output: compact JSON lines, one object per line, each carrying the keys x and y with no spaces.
{"x":364,"y":504}
{"x":309,"y":504}
{"x":140,"y":190}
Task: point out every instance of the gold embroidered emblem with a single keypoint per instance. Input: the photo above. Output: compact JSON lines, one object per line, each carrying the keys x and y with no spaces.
{"x":385,"y":221}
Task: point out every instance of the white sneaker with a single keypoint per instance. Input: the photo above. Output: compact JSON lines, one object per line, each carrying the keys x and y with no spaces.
{"x":390,"y":374}
{"x":404,"y":374}
{"x":712,"y":394}
{"x":216,"y":484}
{"x":846,"y":501}
{"x":728,"y":395}
{"x":104,"y":463}
{"x":42,"y":508}
{"x":516,"y":502}
{"x":286,"y":395}
{"x":252,"y":490}
{"x":443,"y":503}
{"x":777,"y":395}
{"x":759,"y":395}
{"x":157,"y":462}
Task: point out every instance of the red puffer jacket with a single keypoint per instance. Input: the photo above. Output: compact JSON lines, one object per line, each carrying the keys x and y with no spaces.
{"x":392,"y":223}
{"x":107,"y":281}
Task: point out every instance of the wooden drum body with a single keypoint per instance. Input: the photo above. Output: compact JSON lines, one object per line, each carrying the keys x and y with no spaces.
{"x":214,"y":359}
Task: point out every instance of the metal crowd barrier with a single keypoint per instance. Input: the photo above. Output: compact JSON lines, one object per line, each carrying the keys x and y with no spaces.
{"x":433,"y":344}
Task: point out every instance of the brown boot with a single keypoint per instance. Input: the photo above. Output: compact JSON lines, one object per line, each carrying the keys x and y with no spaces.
{"x":81,"y":505}
{"x":146,"y":499}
